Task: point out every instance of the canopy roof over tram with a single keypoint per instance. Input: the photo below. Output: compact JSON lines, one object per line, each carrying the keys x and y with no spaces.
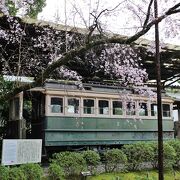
{"x":170,"y":54}
{"x":170,"y":61}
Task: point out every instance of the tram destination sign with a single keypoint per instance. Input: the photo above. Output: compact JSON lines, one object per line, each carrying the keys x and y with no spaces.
{"x":21,"y":151}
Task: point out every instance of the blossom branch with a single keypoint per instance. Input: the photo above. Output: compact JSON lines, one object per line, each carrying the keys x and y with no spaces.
{"x":69,"y":55}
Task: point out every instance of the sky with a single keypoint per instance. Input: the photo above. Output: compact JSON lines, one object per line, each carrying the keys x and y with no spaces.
{"x":121,"y":20}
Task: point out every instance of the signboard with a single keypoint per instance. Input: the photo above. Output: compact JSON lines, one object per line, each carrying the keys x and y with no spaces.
{"x":21,"y":151}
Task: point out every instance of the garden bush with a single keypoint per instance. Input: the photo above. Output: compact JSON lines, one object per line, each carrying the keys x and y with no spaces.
{"x":32,"y":171}
{"x":113,"y":158}
{"x":55,"y":172}
{"x":92,"y":159}
{"x":72,"y":163}
{"x":176,"y":145}
{"x":16,"y":173}
{"x":169,"y":156}
{"x":4,"y":173}
{"x":137,"y":154}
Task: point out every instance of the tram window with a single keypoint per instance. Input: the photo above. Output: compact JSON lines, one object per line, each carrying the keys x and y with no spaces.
{"x":153,"y":109}
{"x":130,"y":108}
{"x":88,"y":105}
{"x":56,"y":105}
{"x":117,"y":108}
{"x":103,"y":107}
{"x":143,"y":109}
{"x":166,"y":110}
{"x":73,"y":105}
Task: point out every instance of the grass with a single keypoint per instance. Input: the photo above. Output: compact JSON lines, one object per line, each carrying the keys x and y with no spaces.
{"x":141,"y":175}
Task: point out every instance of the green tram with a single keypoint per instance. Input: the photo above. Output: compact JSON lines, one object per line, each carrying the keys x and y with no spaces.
{"x":66,"y":117}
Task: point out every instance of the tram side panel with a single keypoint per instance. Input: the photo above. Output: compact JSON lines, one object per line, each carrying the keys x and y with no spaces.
{"x":63,"y":131}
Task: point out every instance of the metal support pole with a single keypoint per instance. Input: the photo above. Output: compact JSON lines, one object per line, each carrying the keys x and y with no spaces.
{"x":159,"y":102}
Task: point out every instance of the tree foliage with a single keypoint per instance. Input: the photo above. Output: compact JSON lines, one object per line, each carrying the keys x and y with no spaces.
{"x":5,"y":88}
{"x":45,"y":52}
{"x":29,"y":8}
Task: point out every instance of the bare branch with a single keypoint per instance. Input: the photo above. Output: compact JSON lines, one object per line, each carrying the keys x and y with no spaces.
{"x":96,"y":23}
{"x":80,"y":14}
{"x":148,"y":13}
{"x":173,"y":9}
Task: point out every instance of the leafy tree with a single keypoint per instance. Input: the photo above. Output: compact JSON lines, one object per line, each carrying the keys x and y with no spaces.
{"x":30,"y":8}
{"x":6,"y":87}
{"x":36,"y":8}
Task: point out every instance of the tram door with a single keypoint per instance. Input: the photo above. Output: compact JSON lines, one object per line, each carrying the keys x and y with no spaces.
{"x":33,"y":113}
{"x":26,"y":116}
{"x":16,"y":127}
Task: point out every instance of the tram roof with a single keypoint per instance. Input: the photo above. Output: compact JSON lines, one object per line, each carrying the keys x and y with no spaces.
{"x":51,"y":85}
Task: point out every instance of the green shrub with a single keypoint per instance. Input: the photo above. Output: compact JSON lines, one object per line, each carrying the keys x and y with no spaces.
{"x":137,"y":154}
{"x":113,"y":158}
{"x":169,"y":155}
{"x":32,"y":171}
{"x":16,"y":173}
{"x":176,"y":145}
{"x":4,"y":173}
{"x":92,"y":159}
{"x":55,"y":172}
{"x":71,"y":162}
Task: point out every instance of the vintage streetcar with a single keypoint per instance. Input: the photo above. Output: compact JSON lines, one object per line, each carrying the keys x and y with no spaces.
{"x":96,"y":116}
